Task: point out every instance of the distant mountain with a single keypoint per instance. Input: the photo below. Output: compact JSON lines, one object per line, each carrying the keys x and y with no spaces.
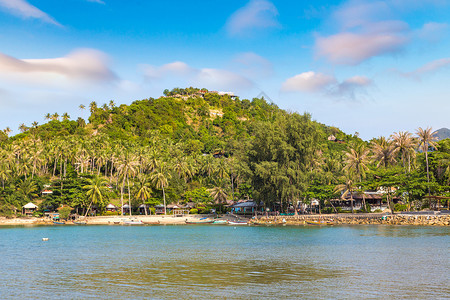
{"x":442,"y":134}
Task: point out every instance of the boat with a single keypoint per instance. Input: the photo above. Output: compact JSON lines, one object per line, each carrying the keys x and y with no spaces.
{"x":220,"y":222}
{"x":200,"y":222}
{"x":319,"y":222}
{"x":237,"y":223}
{"x":151,"y":223}
{"x":133,"y":222}
{"x":59,"y":222}
{"x":79,"y":222}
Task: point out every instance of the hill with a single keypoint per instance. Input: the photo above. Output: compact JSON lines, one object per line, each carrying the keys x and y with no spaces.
{"x":442,"y":134}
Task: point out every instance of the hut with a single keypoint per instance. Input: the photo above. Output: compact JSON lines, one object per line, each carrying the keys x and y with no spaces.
{"x":143,"y":208}
{"x":28,"y":209}
{"x":245,"y":207}
{"x":111,"y":207}
{"x":126,"y":208}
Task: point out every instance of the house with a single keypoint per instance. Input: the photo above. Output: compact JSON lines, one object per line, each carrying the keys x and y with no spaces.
{"x":28,"y":209}
{"x":159,"y":209}
{"x":143,"y":208}
{"x":111,"y":207}
{"x":243,"y":207}
{"x":126,"y":208}
{"x":47,"y":192}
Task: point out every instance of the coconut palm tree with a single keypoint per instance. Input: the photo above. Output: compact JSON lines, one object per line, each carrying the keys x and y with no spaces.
{"x":65,"y":116}
{"x":144,"y":191}
{"x":406,"y":144}
{"x":126,"y":167}
{"x":96,"y":189}
{"x":27,"y":188}
{"x":426,"y":140}
{"x":357,"y":160}
{"x":160,"y":179}
{"x":384,"y":152}
{"x":347,"y":188}
{"x":219,"y":194}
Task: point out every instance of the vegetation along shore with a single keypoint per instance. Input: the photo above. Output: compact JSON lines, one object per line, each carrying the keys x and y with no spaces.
{"x":194,"y":151}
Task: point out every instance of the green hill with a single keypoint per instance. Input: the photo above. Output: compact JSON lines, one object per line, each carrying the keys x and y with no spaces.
{"x":442,"y":134}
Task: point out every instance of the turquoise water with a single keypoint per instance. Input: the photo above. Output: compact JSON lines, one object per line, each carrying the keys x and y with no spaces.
{"x":217,"y":262}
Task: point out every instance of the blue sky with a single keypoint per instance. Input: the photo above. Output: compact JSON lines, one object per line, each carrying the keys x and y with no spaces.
{"x":373,"y":67}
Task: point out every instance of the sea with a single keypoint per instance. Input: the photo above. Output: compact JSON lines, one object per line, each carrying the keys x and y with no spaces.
{"x":224,"y":262}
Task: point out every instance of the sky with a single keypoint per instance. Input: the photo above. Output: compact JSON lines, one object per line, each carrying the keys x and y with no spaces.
{"x":367,"y":67}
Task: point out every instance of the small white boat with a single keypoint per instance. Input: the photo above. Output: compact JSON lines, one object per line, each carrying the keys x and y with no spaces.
{"x":220,"y":222}
{"x":133,"y":222}
{"x":237,"y":223}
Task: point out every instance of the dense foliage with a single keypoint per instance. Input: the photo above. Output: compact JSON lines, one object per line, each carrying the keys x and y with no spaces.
{"x":196,"y":146}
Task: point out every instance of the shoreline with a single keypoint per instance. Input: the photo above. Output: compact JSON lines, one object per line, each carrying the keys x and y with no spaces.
{"x":367,"y":219}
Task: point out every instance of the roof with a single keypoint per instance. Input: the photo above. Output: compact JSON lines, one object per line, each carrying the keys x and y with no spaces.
{"x":29,"y":205}
{"x":111,"y":206}
{"x":245,"y":204}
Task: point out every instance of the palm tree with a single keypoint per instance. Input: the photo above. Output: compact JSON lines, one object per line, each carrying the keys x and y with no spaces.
{"x":112,"y":104}
{"x":27,"y":188}
{"x":384,"y":152}
{"x":23,"y":128}
{"x":65,"y":116}
{"x":219,"y":194}
{"x":160,"y":179}
{"x":144,"y":190}
{"x":126,"y":167}
{"x":406,"y":144}
{"x":48,"y":116}
{"x":95,"y":191}
{"x":426,"y":140}
{"x":346,"y":188}
{"x":82,"y":107}
{"x":7,"y":131}
{"x":357,"y":160}
{"x":55,"y":116}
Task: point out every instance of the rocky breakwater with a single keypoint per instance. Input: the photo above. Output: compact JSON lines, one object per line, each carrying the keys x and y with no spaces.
{"x":366,"y":219}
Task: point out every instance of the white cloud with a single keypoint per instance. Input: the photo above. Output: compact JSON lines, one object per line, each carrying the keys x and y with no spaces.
{"x":308,"y":82}
{"x":328,"y":85}
{"x":206,"y":77}
{"x":366,"y":30}
{"x":433,"y":32}
{"x":24,"y":9}
{"x":256,"y":14}
{"x":83,"y":65}
{"x":96,"y":1}
{"x":430,"y":67}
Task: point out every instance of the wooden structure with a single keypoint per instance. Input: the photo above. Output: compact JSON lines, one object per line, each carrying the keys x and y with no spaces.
{"x":28,"y":209}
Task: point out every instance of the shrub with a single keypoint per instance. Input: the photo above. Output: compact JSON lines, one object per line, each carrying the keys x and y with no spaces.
{"x":37,"y":214}
{"x":111,"y":213}
{"x":64,"y":212}
{"x":400,"y":207}
{"x":193,"y":211}
{"x":377,"y":210}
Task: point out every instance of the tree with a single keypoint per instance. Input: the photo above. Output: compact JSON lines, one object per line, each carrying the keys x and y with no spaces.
{"x":384,"y":152}
{"x":126,"y":167}
{"x":144,"y":191}
{"x":65,"y":116}
{"x":406,"y":144}
{"x":357,"y":160}
{"x":426,"y":140}
{"x":160,"y":179}
{"x":219,"y":194}
{"x":27,"y":188}
{"x":96,"y":190}
{"x":347,"y":188}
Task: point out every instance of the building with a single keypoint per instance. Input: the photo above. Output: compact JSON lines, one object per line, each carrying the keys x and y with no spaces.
{"x":28,"y":209}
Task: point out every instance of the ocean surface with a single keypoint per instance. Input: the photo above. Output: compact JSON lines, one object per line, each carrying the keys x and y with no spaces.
{"x":224,"y":262}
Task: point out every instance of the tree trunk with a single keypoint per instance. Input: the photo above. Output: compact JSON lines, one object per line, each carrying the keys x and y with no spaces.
{"x":164,"y":197}
{"x":129,"y":194}
{"x":351,"y":202}
{"x":121,"y":195}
